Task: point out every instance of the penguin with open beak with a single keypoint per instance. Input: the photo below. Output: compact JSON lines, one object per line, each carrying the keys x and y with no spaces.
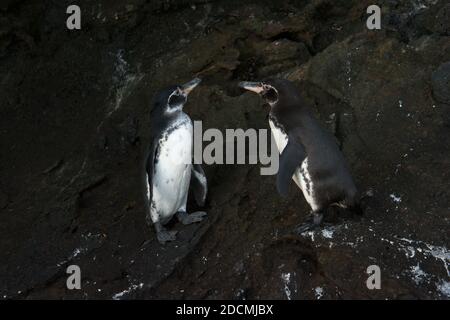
{"x":309,"y":154}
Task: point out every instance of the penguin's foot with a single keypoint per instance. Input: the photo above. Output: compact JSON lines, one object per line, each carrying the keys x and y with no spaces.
{"x":185,"y":218}
{"x":313,"y":221}
{"x":165,"y":236}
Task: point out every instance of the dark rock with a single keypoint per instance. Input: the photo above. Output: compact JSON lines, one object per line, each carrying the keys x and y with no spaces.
{"x":103,"y":35}
{"x":435,"y":20}
{"x":129,"y":129}
{"x":442,"y":24}
{"x":284,"y":49}
{"x":442,"y":21}
{"x":440,"y":80}
{"x":3,"y":200}
{"x":392,"y":132}
{"x":7,"y":4}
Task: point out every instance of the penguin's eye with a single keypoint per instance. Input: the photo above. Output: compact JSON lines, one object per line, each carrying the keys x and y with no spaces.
{"x":271,"y":95}
{"x":176,"y":99}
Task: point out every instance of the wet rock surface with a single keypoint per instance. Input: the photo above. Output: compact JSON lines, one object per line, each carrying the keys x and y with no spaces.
{"x":74,"y":118}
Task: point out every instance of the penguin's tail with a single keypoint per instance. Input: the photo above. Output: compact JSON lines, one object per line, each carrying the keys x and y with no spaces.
{"x":356,"y":208}
{"x":354,"y":204}
{"x":357,"y":203}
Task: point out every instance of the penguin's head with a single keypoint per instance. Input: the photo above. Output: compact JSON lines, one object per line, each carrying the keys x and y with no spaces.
{"x":173,"y":98}
{"x":273,"y":91}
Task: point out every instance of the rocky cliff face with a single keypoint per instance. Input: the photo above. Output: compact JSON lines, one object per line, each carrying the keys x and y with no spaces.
{"x":74,"y":119}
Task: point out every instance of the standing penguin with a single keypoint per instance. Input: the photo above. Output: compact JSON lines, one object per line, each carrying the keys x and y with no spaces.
{"x":168,"y":165}
{"x":308,"y":153}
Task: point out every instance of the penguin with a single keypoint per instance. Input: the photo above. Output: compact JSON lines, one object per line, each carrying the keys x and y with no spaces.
{"x":169,"y":171}
{"x":309,"y":154}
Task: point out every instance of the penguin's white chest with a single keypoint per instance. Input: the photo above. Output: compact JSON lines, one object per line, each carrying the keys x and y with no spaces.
{"x":301,"y":176}
{"x":173,"y":170}
{"x":281,"y":139}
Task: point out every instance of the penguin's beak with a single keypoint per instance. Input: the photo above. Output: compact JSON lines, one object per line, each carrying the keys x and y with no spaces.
{"x":188,"y":87}
{"x":256,"y":87}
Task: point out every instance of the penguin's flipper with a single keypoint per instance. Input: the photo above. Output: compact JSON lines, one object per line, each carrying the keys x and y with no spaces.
{"x":199,"y":184}
{"x":290,"y":159}
{"x":149,"y":167}
{"x":152,"y":154}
